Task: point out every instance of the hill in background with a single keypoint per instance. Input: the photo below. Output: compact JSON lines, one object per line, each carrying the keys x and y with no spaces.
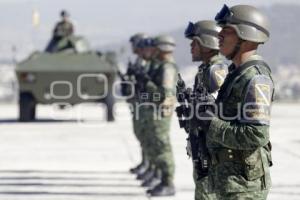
{"x":282,"y":49}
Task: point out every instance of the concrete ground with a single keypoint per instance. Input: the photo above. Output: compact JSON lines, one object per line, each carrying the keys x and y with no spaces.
{"x":62,"y":158}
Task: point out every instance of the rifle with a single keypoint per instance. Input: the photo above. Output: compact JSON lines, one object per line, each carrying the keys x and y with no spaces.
{"x":130,"y":68}
{"x":188,"y":100}
{"x":182,"y":94}
{"x":125,"y":78}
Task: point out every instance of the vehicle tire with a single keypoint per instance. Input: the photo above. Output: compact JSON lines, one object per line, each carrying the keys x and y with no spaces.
{"x":27,"y":106}
{"x":110,"y":101}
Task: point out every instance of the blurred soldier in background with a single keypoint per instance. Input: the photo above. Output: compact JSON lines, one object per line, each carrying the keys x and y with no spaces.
{"x":238,"y":135}
{"x":210,"y":76}
{"x":129,"y":87}
{"x":142,"y":115}
{"x":159,"y":97}
{"x":62,"y":30}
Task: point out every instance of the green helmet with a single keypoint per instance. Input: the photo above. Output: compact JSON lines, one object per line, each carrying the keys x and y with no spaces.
{"x":205,"y":32}
{"x":249,"y":23}
{"x":165,"y":43}
{"x":136,"y":38}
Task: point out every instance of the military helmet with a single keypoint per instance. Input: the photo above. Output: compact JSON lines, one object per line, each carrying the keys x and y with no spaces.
{"x":249,"y":23}
{"x":148,"y":42}
{"x":206,"y":32}
{"x":136,"y":39}
{"x":165,"y":43}
{"x":64,"y":13}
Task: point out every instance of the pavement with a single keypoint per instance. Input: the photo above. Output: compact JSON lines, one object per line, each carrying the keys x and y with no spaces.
{"x":74,"y":154}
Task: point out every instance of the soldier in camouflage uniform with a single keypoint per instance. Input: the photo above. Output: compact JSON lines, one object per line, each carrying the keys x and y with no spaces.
{"x":142,"y":114}
{"x":238,"y":135}
{"x":62,"y":30}
{"x":211,"y":74}
{"x":159,"y":86}
{"x":131,"y":90}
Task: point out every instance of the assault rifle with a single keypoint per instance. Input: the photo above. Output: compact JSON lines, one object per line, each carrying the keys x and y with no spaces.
{"x":190,"y":102}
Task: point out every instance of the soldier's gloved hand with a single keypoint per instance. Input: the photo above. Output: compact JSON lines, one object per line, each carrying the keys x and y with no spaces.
{"x":204,"y":119}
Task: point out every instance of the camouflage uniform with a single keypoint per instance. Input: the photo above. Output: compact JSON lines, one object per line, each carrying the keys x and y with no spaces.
{"x":63,"y":29}
{"x":133,"y":91}
{"x":143,"y":117}
{"x":211,"y":76}
{"x":134,"y":102}
{"x":60,"y":40}
{"x":160,"y":90}
{"x":238,"y":135}
{"x":240,"y":148}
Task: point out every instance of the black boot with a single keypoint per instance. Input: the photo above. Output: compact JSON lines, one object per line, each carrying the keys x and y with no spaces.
{"x":153,"y":180}
{"x":141,"y":167}
{"x":135,"y":169}
{"x":146,"y":175}
{"x":162,"y":190}
{"x":151,"y":183}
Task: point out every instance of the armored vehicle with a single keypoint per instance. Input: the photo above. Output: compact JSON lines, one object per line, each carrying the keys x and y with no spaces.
{"x":68,"y":73}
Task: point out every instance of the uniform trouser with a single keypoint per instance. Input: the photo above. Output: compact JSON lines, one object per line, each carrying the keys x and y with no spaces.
{"x":138,"y":132}
{"x":158,"y":146}
{"x":259,"y":195}
{"x":202,"y":187}
{"x":231,"y":181}
{"x":205,"y":191}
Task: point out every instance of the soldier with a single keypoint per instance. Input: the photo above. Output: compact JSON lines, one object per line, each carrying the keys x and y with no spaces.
{"x":159,"y":84}
{"x":210,"y":76}
{"x":64,"y":28}
{"x":137,"y":48}
{"x":149,"y":52}
{"x":238,"y":135}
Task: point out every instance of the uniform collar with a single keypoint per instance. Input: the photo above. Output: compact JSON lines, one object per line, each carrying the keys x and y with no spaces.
{"x":214,"y":59}
{"x":233,"y":69}
{"x":253,"y":57}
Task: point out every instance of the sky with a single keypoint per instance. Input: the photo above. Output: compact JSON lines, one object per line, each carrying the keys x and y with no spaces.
{"x":110,"y":20}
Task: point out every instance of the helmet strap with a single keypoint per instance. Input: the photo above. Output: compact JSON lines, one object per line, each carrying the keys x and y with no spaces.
{"x":235,"y":50}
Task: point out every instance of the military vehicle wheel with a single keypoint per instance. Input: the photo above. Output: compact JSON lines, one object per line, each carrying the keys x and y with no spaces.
{"x":27,"y":107}
{"x":110,"y":101}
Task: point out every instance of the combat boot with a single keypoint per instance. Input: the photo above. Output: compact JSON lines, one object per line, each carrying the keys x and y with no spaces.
{"x":141,"y":168}
{"x":151,"y":183}
{"x":147,"y":175}
{"x":162,"y":190}
{"x":135,"y":169}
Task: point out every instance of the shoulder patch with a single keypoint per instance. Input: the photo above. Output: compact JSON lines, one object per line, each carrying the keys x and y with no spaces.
{"x":217,"y":76}
{"x":256,"y":106}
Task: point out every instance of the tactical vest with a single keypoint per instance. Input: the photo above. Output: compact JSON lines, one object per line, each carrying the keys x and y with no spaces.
{"x":229,"y":95}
